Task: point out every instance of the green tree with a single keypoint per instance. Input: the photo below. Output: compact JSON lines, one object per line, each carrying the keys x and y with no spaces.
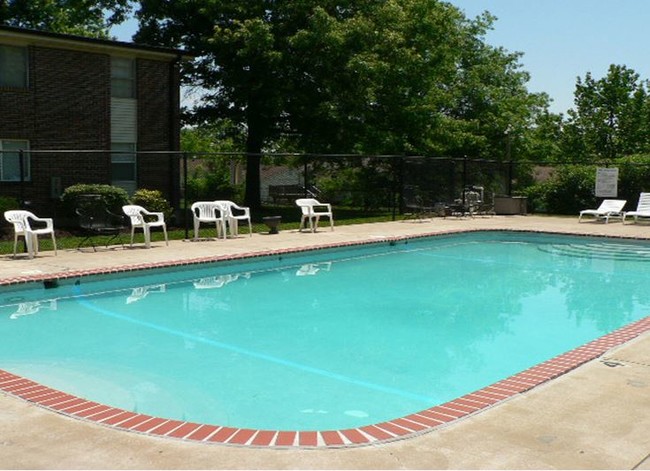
{"x":339,"y":76}
{"x":610,"y":118}
{"x":82,"y":17}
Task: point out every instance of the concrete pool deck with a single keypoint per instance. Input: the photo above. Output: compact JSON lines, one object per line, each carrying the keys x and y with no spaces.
{"x":596,"y":416}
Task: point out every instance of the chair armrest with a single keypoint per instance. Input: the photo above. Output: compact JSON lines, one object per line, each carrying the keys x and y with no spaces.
{"x":244,"y":209}
{"x":160,"y":217}
{"x":49,"y":222}
{"x":328,"y":206}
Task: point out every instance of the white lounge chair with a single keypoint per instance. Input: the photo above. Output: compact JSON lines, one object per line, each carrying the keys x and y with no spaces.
{"x":642,"y":209}
{"x":138,"y":216}
{"x":210,"y":212}
{"x":607,"y":209}
{"x":313,"y":210}
{"x":22,"y":228}
{"x":234,"y":214}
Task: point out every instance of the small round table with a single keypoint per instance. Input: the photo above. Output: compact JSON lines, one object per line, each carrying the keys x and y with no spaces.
{"x":272,"y":222}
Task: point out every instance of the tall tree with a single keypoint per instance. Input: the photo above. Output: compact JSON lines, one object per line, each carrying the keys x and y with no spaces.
{"x":372,"y":76}
{"x":610,"y":118}
{"x":83,"y":17}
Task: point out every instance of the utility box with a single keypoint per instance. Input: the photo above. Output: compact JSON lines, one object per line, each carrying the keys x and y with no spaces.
{"x":510,"y":205}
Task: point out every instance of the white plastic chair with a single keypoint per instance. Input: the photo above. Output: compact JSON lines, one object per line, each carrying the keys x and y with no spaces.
{"x":234,"y":214}
{"x":22,"y":228}
{"x":642,"y":208}
{"x":138,"y":216}
{"x":209,"y":212}
{"x":313,"y":210}
{"x":607,"y":209}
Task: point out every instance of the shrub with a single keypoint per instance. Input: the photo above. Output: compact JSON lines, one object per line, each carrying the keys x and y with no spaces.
{"x":7,"y":203}
{"x":113,"y":196}
{"x":634,"y":177}
{"x":570,"y":190}
{"x":153,"y":200}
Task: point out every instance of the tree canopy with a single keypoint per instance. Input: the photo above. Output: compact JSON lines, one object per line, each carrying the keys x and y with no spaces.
{"x":341,"y":76}
{"x":83,"y":17}
{"x":610,"y":118}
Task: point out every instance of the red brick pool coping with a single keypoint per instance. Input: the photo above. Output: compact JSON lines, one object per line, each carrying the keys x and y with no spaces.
{"x":400,"y":428}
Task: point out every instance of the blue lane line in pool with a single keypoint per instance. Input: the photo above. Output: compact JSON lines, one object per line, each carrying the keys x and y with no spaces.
{"x":250,"y":353}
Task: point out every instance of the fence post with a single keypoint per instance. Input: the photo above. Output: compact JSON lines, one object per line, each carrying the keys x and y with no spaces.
{"x":21,"y":167}
{"x":464,"y":178}
{"x":185,"y":215}
{"x":304,"y":177}
{"x":398,"y":188}
{"x":510,"y":172}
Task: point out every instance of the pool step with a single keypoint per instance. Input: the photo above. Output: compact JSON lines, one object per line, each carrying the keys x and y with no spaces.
{"x":608,"y":251}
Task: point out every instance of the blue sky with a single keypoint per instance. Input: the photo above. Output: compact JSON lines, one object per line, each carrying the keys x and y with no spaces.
{"x":560,"y":39}
{"x":564,"y":39}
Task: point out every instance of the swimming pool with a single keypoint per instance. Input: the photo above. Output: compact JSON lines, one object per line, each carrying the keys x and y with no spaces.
{"x":438,"y":318}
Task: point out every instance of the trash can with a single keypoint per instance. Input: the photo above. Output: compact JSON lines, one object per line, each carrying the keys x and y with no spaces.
{"x":511,"y":205}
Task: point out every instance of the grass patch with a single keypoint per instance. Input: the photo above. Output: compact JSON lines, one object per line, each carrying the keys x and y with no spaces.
{"x":290,"y":221}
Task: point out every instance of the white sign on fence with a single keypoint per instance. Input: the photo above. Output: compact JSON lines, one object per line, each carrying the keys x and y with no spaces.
{"x":606,"y":182}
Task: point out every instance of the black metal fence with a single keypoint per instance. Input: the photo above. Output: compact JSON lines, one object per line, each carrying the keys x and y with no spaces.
{"x":387,"y":183}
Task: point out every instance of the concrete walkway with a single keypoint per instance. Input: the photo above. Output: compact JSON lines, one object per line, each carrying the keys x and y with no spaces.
{"x":594,"y":417}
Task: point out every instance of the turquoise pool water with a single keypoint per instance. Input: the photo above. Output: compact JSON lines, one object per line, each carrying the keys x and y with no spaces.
{"x":328,"y":339}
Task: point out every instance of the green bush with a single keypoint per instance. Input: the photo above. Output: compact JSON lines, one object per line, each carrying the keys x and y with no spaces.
{"x":569,"y":190}
{"x":633,"y":178}
{"x":113,"y":196}
{"x":152,"y":200}
{"x":7,"y":203}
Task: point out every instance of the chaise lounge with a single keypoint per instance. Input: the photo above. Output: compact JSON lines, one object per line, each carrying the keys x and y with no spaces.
{"x":607,"y":209}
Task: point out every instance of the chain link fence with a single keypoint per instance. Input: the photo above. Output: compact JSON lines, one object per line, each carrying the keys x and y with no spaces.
{"x":364,"y":184}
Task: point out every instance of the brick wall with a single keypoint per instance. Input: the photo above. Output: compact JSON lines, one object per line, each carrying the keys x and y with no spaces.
{"x":157,"y":94}
{"x":67,"y":106}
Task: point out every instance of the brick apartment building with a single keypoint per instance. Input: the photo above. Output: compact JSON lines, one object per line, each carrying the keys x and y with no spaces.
{"x":97,"y":100}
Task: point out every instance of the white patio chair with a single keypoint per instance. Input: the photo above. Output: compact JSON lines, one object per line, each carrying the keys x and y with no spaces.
{"x":139,"y":219}
{"x":234,"y":214}
{"x":313,"y":210}
{"x":209,"y":212}
{"x":607,"y":209}
{"x":642,"y":208}
{"x":22,"y":228}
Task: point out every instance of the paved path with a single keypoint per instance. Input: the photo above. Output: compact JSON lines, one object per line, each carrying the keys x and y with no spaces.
{"x":594,"y":417}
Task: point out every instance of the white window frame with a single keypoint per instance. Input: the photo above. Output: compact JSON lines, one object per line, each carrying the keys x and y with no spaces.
{"x":20,"y":80}
{"x":5,"y":152}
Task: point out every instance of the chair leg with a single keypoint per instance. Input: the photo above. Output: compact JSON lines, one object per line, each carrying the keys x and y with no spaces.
{"x":15,"y":244}
{"x":331,"y":222}
{"x":132,"y":234}
{"x":54,"y":243}
{"x":250,"y":228}
{"x":196,"y":229}
{"x":147,"y":236}
{"x":29,"y":240}
{"x":164,"y":226}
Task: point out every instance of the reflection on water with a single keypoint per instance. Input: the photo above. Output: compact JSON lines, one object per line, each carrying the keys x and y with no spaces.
{"x":142,"y":292}
{"x":211,"y":282}
{"x":310,"y":269}
{"x":33,"y":307}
